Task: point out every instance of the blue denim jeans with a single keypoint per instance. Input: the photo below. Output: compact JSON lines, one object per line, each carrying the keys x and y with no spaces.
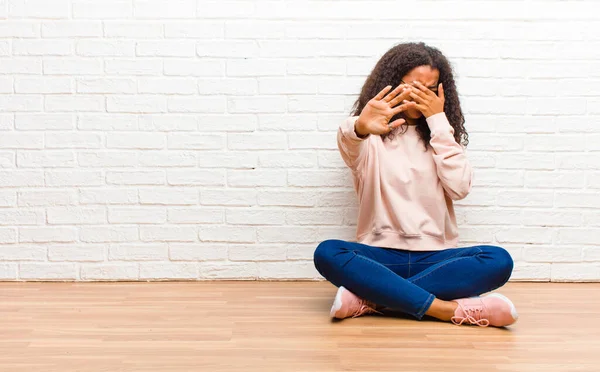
{"x":409,"y":281}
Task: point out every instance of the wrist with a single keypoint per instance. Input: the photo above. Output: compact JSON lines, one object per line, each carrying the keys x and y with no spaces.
{"x":359,"y":129}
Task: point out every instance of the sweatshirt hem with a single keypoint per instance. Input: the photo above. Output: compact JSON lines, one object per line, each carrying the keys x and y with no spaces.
{"x":396,"y":240}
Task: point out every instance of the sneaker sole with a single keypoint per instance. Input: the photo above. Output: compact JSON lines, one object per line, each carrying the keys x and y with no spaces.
{"x":337,"y":303}
{"x":513,"y":309}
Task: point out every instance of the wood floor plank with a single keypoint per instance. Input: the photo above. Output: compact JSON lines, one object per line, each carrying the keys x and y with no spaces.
{"x":280,"y":326}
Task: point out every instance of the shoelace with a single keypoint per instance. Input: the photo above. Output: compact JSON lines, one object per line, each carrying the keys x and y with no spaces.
{"x":365,"y":308}
{"x":473,"y":317}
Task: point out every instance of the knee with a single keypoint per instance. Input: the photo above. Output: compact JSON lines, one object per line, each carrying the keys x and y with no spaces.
{"x":324,"y":252}
{"x":502,"y":262}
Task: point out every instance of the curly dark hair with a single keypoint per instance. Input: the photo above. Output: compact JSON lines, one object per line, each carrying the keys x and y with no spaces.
{"x":394,"y":65}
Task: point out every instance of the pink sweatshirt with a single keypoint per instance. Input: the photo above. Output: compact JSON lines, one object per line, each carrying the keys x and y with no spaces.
{"x":405,"y":193}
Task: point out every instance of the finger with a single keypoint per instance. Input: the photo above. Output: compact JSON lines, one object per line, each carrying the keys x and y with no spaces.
{"x":404,"y":95}
{"x":441,"y":91}
{"x":421,"y":108}
{"x":403,"y":107}
{"x":393,"y":93}
{"x":420,"y":92}
{"x":381,"y":94}
{"x":396,"y":123}
{"x":417,"y":98}
{"x":423,"y":88}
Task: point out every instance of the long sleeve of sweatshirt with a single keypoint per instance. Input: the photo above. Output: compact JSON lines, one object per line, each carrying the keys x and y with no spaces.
{"x":453,"y":168}
{"x":350,"y":145}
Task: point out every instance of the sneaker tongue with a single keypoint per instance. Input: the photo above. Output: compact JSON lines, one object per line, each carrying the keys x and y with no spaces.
{"x":466,"y":304}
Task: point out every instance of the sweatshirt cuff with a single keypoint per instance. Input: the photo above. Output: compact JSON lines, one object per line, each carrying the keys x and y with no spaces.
{"x":347,"y":128}
{"x":439,"y":124}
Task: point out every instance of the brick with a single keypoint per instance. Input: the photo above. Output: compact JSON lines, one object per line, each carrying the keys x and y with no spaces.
{"x":193,"y":104}
{"x":105,"y":10}
{"x":195,"y":29}
{"x":288,"y":159}
{"x":133,"y":29}
{"x":48,"y":271}
{"x":257,"y":104}
{"x":104,"y":85}
{"x":263,"y":252}
{"x":227,"y":233}
{"x":254,"y":178}
{"x":527,"y":235}
{"x":62,"y":140}
{"x":196,"y":177}
{"x":255,"y":216}
{"x":75,"y":215}
{"x":138,"y":215}
{"x":25,"y":252}
{"x":20,"y":103}
{"x":319,"y":178}
{"x":257,"y":141}
{"x":72,"y":66}
{"x":136,"y":104}
{"x":314,"y":216}
{"x":235,"y":86}
{"x":26,"y":47}
{"x":76,"y":252}
{"x":229,"y":159}
{"x":136,"y":67}
{"x":100,"y":234}
{"x":575,"y":272}
{"x":73,"y":178}
{"x":60,"y":103}
{"x":169,"y":270}
{"x":43,"y":85}
{"x":104,"y":48}
{"x":227,"y":48}
{"x":203,"y":215}
{"x":167,"y":86}
{"x":110,"y":271}
{"x":308,"y":140}
{"x":191,"y":67}
{"x":196,"y":141}
{"x":136,"y":140}
{"x":169,"y":196}
{"x":554,"y":180}
{"x":138,"y":252}
{"x":229,"y":270}
{"x":63,"y":28}
{"x":525,"y":198}
{"x":252,"y":67}
{"x":18,"y":28}
{"x":164,"y":9}
{"x":56,"y":9}
{"x":183,"y":48}
{"x":101,"y":159}
{"x":108,"y":196}
{"x":228,"y":197}
{"x":550,"y":254}
{"x":286,"y":234}
{"x":135,"y":178}
{"x":198,"y":252}
{"x":47,"y":234}
{"x":21,"y":178}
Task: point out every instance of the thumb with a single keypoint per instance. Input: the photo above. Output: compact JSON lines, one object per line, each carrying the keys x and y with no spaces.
{"x":441,"y":90}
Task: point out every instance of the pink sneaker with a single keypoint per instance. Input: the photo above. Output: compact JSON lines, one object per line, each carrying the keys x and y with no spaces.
{"x":494,"y":309}
{"x":347,"y":304}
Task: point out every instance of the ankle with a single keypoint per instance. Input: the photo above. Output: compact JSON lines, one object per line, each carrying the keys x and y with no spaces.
{"x":442,"y":310}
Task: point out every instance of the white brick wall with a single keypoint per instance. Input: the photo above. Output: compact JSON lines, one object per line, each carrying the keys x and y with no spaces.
{"x":192,"y":139}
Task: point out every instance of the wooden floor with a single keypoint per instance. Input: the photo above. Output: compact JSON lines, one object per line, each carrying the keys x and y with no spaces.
{"x":279,"y":326}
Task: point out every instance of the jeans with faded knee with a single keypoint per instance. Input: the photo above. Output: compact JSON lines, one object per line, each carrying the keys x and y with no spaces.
{"x":409,"y":281}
